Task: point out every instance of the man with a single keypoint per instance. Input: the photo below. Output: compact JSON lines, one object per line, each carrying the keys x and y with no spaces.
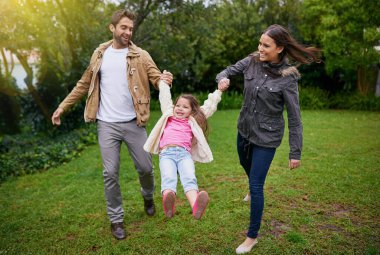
{"x":118,"y":97}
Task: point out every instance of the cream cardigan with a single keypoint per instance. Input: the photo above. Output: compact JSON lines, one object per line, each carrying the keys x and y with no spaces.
{"x":200,"y":150}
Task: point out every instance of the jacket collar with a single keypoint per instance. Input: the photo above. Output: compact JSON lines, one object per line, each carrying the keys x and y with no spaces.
{"x":133,"y":49}
{"x":283,"y":68}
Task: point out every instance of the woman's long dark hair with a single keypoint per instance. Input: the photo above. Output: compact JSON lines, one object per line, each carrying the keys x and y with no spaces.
{"x":292,"y":49}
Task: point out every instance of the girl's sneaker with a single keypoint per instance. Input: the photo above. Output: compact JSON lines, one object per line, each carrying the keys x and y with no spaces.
{"x":200,"y":204}
{"x":169,"y":204}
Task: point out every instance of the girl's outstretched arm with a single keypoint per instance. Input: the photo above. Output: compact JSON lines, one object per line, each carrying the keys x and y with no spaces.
{"x":165,"y":97}
{"x":211,"y":103}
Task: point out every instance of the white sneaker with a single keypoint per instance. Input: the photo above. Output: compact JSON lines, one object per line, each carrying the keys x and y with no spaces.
{"x":247,"y":198}
{"x":245,"y":249}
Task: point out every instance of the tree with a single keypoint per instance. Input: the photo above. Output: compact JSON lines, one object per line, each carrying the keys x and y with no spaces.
{"x":61,"y":32}
{"x":195,"y":40}
{"x":347,"y":30}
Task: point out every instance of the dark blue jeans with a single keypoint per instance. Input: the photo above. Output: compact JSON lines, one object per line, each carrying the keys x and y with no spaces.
{"x":256,"y":161}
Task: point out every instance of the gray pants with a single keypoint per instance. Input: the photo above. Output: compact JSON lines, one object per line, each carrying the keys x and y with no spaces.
{"x":110,"y":136}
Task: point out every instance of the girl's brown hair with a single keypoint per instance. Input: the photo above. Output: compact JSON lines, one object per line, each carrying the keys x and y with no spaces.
{"x":196,"y":112}
{"x":292,"y":49}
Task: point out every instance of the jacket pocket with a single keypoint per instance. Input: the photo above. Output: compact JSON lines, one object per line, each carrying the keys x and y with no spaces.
{"x":142,"y":105}
{"x":270,"y":126}
{"x":272,"y":89}
{"x":248,"y":76}
{"x":271,"y":130}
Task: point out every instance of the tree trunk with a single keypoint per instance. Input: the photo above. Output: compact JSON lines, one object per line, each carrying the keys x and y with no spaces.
{"x":366,"y":80}
{"x":377,"y":93}
{"x":29,"y":84}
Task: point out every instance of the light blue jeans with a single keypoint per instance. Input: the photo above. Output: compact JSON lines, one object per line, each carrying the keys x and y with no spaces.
{"x":173,"y":160}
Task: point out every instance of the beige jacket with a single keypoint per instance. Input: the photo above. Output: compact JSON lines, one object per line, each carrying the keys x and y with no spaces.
{"x":200,"y":150}
{"x":141,"y":70}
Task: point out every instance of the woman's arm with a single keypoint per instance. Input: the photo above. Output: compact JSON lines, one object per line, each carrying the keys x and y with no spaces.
{"x":235,"y":69}
{"x":291,"y":99}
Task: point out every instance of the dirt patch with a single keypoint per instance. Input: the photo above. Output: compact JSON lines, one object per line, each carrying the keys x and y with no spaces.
{"x":91,"y":249}
{"x":278,"y":228}
{"x":134,"y":227}
{"x":339,"y":211}
{"x":70,"y":237}
{"x":330,"y":227}
{"x":228,"y":179}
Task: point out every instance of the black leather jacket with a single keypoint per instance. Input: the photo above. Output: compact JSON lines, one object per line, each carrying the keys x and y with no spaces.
{"x":267,"y":89}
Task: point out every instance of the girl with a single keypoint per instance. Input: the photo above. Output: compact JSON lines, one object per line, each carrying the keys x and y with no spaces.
{"x":270,"y":84}
{"x":179,"y":137}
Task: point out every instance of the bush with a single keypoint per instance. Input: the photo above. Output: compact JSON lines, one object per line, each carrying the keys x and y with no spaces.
{"x":355,"y":102}
{"x":25,"y":154}
{"x":313,"y":98}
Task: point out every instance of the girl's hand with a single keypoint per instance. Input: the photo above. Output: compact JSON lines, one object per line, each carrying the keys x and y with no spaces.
{"x":223,"y":84}
{"x":294,"y":163}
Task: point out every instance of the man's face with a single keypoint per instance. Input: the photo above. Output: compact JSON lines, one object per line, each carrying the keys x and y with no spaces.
{"x":122,"y":33}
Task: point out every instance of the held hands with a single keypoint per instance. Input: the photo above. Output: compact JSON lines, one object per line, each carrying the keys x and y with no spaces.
{"x":167,"y":77}
{"x":56,"y":118}
{"x":294,"y":163}
{"x":223,"y":84}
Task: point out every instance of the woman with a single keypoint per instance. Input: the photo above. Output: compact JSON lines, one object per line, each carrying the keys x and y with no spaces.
{"x":270,"y":83}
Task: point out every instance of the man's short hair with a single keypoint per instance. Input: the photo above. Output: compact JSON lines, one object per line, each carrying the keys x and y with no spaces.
{"x":118,"y":15}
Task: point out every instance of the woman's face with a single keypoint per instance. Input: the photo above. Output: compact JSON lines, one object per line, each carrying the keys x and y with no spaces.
{"x":182,"y":108}
{"x":268,"y":50}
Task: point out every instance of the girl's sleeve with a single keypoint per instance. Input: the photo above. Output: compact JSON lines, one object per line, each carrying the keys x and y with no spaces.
{"x":165,"y":97}
{"x":211,"y":103}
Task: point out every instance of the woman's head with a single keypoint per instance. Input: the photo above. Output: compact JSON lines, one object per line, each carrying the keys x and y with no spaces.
{"x":276,"y":43}
{"x":187,"y":105}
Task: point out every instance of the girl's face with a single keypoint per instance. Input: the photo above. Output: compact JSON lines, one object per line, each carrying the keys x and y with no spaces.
{"x":182,"y":108}
{"x":269,"y":52}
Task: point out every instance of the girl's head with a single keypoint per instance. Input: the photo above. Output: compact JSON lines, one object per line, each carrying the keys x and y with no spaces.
{"x":187,"y":105}
{"x":276,"y":43}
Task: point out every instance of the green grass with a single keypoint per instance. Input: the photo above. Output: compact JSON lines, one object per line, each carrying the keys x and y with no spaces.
{"x":329,"y":206}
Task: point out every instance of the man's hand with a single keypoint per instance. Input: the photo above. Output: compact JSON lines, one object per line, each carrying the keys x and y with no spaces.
{"x":56,"y":118}
{"x":167,"y":77}
{"x":294,"y":163}
{"x":223,"y":84}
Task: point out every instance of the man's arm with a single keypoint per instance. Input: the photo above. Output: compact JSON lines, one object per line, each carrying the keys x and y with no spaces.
{"x":80,"y":89}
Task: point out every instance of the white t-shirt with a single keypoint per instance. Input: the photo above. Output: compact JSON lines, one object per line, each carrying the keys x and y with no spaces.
{"x":116,"y":104}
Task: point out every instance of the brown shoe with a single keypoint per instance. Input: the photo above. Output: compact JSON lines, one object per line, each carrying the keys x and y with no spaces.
{"x":117,"y":230}
{"x":149,"y":207}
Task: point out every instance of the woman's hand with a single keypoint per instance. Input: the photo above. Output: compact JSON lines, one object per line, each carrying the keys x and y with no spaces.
{"x":294,"y":163}
{"x":223,"y":84}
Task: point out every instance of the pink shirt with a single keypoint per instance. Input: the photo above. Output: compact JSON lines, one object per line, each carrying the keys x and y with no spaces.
{"x":178,"y":132}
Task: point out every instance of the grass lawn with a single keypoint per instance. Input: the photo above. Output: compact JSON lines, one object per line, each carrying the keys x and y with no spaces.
{"x":331,"y":205}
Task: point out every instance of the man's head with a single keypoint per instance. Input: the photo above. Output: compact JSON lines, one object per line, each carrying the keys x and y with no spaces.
{"x":119,"y":14}
{"x":122,"y":27}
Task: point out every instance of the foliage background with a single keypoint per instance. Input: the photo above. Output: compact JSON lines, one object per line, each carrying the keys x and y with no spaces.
{"x":193,"y":39}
